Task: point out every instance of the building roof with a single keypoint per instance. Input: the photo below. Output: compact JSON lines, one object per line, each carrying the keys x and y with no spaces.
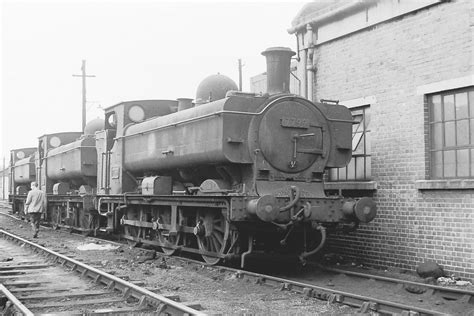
{"x":322,"y":10}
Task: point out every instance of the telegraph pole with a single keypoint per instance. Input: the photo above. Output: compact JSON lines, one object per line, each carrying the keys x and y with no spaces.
{"x":84,"y":100}
{"x":3,"y":178}
{"x":240,"y":74}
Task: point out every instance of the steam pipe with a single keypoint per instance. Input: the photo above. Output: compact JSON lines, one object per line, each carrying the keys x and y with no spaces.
{"x":292,"y":202}
{"x":249,"y":251}
{"x":306,"y":254}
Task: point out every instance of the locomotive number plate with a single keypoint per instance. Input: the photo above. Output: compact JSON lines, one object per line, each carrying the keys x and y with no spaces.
{"x":294,"y":122}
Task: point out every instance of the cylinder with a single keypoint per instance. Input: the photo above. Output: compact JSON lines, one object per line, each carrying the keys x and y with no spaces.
{"x":278,"y":69}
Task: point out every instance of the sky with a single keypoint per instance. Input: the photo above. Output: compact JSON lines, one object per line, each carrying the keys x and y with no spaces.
{"x":145,"y":49}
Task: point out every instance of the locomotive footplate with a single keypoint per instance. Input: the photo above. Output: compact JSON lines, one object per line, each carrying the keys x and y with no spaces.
{"x":76,"y":213}
{"x":283,"y":210}
{"x":18,"y":204}
{"x":220,"y":227}
{"x":171,"y":223}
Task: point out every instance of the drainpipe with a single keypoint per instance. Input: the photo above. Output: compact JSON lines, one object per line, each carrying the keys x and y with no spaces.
{"x":304,"y":79}
{"x":309,"y":67}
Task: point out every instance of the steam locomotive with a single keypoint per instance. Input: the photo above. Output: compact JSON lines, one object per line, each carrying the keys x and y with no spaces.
{"x":231,"y":175}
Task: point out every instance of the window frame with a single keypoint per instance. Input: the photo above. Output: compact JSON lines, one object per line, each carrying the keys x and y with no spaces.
{"x":367,"y":172}
{"x":437,"y":171}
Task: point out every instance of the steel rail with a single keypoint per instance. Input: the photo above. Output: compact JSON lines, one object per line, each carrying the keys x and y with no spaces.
{"x":453,"y":292}
{"x":145,"y":296}
{"x":364,"y":302}
{"x":21,"y":308}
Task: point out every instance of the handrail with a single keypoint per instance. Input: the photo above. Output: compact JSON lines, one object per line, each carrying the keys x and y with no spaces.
{"x":208,"y":115}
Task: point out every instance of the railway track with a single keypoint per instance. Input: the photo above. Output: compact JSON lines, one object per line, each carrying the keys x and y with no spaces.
{"x":435,"y":300}
{"x":460,"y":302}
{"x":430,"y":300}
{"x":459,"y":295}
{"x":36,"y":280}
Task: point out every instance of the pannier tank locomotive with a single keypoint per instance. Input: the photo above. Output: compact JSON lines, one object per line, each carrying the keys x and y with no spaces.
{"x":231,"y":175}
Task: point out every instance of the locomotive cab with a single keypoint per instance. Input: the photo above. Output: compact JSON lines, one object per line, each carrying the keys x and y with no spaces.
{"x":22,"y":173}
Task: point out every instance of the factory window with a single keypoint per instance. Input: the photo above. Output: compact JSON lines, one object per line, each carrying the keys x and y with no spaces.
{"x":359,"y":167}
{"x":451,"y":128}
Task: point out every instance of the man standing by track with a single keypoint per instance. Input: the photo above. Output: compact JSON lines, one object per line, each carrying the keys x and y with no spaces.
{"x":35,"y":205}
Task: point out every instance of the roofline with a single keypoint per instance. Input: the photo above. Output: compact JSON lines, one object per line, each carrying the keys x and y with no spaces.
{"x":23,"y":149}
{"x":121,"y":102}
{"x":313,"y":18}
{"x":52,"y":134}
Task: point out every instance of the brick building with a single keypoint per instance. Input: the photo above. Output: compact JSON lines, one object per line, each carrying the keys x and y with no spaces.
{"x":405,"y":68}
{"x":258,"y":83}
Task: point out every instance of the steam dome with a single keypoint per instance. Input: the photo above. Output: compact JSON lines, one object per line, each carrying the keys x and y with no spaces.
{"x":94,"y":126}
{"x":214,"y":88}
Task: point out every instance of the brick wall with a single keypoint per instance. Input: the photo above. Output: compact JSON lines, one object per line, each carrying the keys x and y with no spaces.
{"x":389,"y":61}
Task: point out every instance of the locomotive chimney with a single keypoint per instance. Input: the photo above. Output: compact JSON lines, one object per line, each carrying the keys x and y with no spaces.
{"x":278,"y":69}
{"x":184,"y":104}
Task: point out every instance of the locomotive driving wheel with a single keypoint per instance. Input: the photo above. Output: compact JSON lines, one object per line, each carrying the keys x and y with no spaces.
{"x":170,"y":239}
{"x":84,"y":219}
{"x":212,"y":232}
{"x":132,"y":233}
{"x":56,"y":217}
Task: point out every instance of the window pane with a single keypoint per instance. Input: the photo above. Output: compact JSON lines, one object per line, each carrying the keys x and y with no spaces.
{"x":358,"y":127}
{"x":437,"y":135}
{"x":448,"y":107}
{"x":461,"y":106}
{"x":360,"y":147}
{"x":367,"y":143}
{"x":436,"y":106}
{"x":472,"y":131}
{"x":449,"y":139}
{"x":333,"y":174}
{"x":351,"y":170}
{"x":472,"y":162}
{"x":449,"y":164}
{"x":462,"y":159}
{"x":342,"y":173}
{"x":356,"y":138}
{"x":462,"y":132}
{"x":360,"y":167}
{"x":437,"y":164}
{"x":471,"y":103}
{"x":367,"y":118}
{"x":368,"y":169}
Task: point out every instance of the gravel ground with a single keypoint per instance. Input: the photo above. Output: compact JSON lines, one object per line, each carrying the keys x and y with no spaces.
{"x":218,"y":293}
